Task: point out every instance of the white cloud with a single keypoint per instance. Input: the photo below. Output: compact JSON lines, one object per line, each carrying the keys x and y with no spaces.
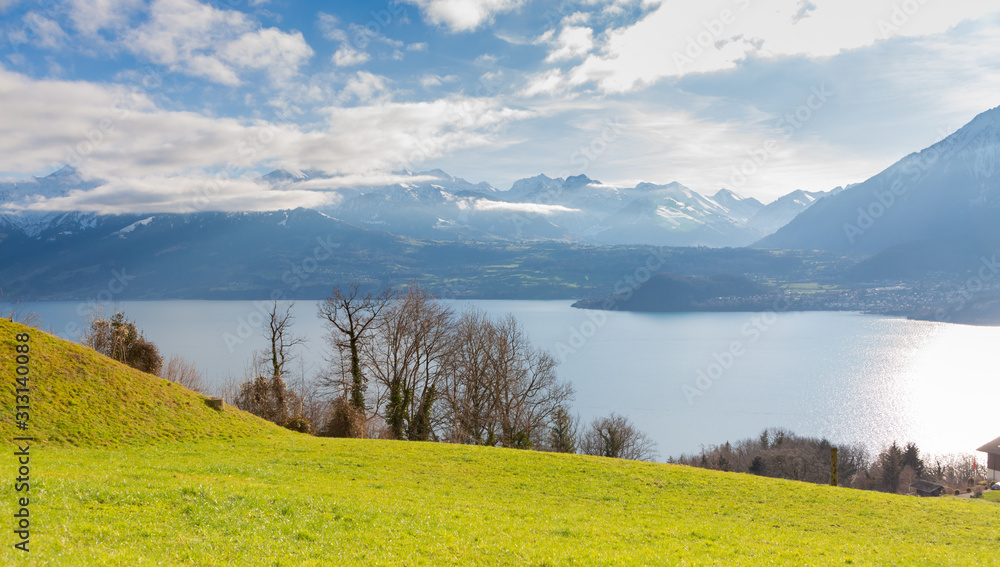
{"x":431,"y":80}
{"x":365,"y":87}
{"x":181,"y":194}
{"x":366,"y":179}
{"x":45,"y":32}
{"x":391,"y":135}
{"x":347,"y":57}
{"x":463,"y":15}
{"x":576,"y":19}
{"x":678,"y":39}
{"x":529,"y":208}
{"x":91,"y":16}
{"x":152,"y":159}
{"x":329,"y":25}
{"x":806,"y":8}
{"x":270,"y":49}
{"x":200,"y":40}
{"x":421,"y":46}
{"x":546,"y":82}
{"x":572,"y":42}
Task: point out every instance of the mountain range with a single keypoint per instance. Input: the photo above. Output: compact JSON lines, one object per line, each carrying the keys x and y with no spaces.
{"x":935,"y":211}
{"x":436,"y":206}
{"x":576,"y":209}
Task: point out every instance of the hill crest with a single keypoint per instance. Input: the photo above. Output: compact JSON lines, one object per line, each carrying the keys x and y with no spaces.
{"x":80,"y":397}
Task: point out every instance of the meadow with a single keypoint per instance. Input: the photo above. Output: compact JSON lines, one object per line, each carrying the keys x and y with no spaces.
{"x":131,"y":470}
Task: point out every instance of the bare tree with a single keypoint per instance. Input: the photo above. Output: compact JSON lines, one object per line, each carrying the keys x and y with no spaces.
{"x":18,"y":313}
{"x":615,"y":436}
{"x":526,"y":390}
{"x":277,"y":331}
{"x":408,"y":358}
{"x":351,"y":316}
{"x":467,"y":390}
{"x":184,"y":373}
{"x":500,"y":389}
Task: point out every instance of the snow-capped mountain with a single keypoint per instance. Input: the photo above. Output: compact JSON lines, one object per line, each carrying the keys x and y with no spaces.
{"x":34,"y":223}
{"x":741,"y":208}
{"x":949,"y":192}
{"x":781,"y":211}
{"x":436,"y":206}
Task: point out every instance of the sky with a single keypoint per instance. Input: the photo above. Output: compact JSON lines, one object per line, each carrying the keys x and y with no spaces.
{"x":171,"y":102}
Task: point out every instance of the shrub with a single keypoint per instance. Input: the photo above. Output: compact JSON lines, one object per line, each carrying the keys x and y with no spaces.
{"x":118,"y":338}
{"x":346,"y":420}
{"x":298,"y":423}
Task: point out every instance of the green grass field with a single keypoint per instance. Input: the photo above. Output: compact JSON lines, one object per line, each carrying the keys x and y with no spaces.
{"x":160,"y":493}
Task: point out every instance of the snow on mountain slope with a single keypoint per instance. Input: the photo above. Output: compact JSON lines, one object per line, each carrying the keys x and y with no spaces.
{"x":435,"y":205}
{"x":738,"y":208}
{"x":15,"y":194}
{"x":781,"y":211}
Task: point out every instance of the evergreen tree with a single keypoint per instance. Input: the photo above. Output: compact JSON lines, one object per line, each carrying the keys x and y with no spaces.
{"x":911,"y":458}
{"x":563,"y":432}
{"x":420,"y":425}
{"x":891,"y":461}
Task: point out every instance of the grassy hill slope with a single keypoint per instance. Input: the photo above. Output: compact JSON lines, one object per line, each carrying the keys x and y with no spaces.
{"x":267,"y":497}
{"x":79,"y":397}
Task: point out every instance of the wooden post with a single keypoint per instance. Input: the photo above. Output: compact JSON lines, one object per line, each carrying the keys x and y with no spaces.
{"x":833,"y":466}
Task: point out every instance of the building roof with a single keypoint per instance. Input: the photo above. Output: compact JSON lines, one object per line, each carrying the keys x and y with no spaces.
{"x":991,"y":447}
{"x":926,"y":486}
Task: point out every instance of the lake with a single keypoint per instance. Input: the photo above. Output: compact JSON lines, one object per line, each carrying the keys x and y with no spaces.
{"x":687,"y":379}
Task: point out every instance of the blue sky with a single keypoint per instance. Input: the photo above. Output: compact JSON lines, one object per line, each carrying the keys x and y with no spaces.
{"x":164,"y":100}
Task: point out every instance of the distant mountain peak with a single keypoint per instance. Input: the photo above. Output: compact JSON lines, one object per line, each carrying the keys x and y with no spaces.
{"x":62,"y":173}
{"x":946,"y":192}
{"x":579,"y":181}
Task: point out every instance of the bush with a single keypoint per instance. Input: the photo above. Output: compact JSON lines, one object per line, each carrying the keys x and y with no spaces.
{"x":345,"y":421}
{"x":298,"y":423}
{"x":119,"y":339}
{"x":616,"y":437}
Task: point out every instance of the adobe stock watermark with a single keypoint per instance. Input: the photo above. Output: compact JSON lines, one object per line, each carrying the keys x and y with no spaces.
{"x":489,"y":84}
{"x":122,"y":109}
{"x":710,"y":36}
{"x":988,"y":270}
{"x":32,"y":22}
{"x":119,"y":280}
{"x":722,"y":361}
{"x":911,"y":171}
{"x":623,"y":290}
{"x":294,"y":278}
{"x":247,"y":151}
{"x":589,"y":152}
{"x":394,"y":12}
{"x":788,"y":124}
{"x":900,"y":16}
{"x":582,"y":158}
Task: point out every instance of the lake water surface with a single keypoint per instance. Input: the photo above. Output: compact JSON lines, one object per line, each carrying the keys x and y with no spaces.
{"x":688,"y":379}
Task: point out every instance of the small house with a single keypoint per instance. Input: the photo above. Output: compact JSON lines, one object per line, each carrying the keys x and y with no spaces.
{"x":992,"y":450}
{"x":927,"y":488}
